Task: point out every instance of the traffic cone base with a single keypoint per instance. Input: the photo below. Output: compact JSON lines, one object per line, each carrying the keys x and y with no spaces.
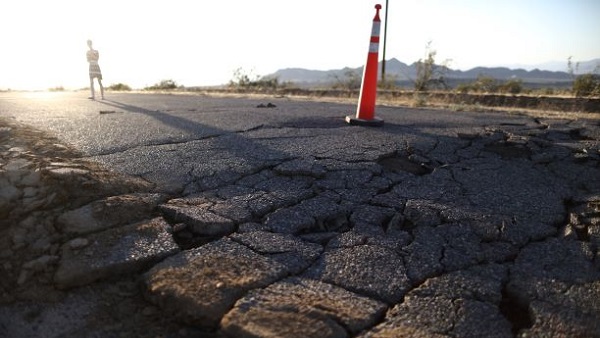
{"x":374,"y":122}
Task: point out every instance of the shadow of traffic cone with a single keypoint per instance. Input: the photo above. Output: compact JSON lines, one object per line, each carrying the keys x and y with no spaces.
{"x":365,"y":113}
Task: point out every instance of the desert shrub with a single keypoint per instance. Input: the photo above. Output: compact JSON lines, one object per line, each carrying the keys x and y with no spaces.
{"x":512,"y":86}
{"x":57,"y":89}
{"x":244,"y":79}
{"x":119,"y":87}
{"x":548,"y":91}
{"x":587,"y":85}
{"x":267,"y":82}
{"x":419,"y":99}
{"x":483,"y":84}
{"x":465,"y":88}
{"x":163,"y":85}
{"x":241,"y":78}
{"x":486,"y":84}
{"x":390,"y":82}
{"x":349,"y":80}
{"x":429,"y":74}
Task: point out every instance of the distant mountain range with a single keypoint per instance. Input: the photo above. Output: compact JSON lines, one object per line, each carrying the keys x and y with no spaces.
{"x":403,"y":73}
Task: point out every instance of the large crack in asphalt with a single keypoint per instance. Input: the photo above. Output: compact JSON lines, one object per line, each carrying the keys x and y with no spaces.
{"x":422,"y":221}
{"x":515,"y":312}
{"x":510,"y":308}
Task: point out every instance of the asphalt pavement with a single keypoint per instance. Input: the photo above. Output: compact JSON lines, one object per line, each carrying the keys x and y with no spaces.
{"x":273,"y":217}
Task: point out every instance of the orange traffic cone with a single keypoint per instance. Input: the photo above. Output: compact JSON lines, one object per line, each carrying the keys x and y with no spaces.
{"x":365,"y":113}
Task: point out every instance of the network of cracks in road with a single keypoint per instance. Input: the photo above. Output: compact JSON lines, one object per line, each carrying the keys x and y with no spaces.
{"x":496,"y":235}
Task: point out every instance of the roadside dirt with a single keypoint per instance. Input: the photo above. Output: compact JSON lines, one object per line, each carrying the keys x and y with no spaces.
{"x":40,"y":179}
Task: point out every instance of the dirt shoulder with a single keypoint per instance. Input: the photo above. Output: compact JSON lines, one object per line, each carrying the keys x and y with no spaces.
{"x":40,"y":179}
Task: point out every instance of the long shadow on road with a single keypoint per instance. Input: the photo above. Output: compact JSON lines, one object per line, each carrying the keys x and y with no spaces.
{"x":204,"y":159}
{"x":171,"y":120}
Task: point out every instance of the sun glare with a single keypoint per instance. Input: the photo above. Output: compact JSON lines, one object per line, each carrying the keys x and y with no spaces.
{"x":203,"y":43}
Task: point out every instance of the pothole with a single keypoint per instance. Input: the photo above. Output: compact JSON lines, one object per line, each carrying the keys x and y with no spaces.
{"x":509,"y":150}
{"x":187,"y":240}
{"x":397,"y":164}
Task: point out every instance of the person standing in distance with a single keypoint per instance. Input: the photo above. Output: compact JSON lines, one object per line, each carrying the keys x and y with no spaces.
{"x":95,"y":72}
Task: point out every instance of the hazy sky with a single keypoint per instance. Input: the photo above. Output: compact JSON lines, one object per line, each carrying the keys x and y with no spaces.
{"x":195,"y":42}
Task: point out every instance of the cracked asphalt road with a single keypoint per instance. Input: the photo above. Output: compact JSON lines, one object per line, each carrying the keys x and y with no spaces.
{"x":286,"y":221}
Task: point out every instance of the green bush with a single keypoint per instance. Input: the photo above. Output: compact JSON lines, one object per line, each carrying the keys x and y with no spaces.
{"x":465,"y":88}
{"x":483,"y":84}
{"x":487,"y":84}
{"x":242,"y":79}
{"x":429,"y":74}
{"x":513,"y":86}
{"x":587,"y":85}
{"x":419,"y":99}
{"x":548,"y":91}
{"x":390,"y":82}
{"x":266,"y":82}
{"x":350,"y":80}
{"x":119,"y":87}
{"x":163,"y":85}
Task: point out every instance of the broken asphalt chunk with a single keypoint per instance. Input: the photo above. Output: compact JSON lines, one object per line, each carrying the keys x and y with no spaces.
{"x":201,"y":285}
{"x":115,"y":251}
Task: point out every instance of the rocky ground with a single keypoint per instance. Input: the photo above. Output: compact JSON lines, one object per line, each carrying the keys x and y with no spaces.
{"x":405,"y":244}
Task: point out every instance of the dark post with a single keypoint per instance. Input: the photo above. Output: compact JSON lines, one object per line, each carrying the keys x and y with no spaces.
{"x":384,"y":41}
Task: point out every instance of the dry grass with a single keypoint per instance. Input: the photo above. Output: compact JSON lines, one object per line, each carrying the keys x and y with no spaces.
{"x":422,"y":103}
